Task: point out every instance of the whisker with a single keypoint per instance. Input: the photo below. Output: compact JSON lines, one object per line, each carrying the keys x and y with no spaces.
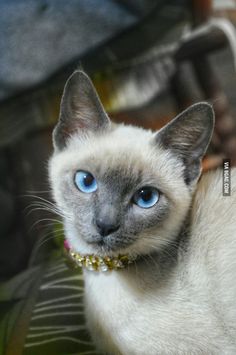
{"x":43,"y":208}
{"x":30,"y":192}
{"x":47,"y":206}
{"x":38,"y":198}
{"x":45,"y":219}
{"x":47,"y":240}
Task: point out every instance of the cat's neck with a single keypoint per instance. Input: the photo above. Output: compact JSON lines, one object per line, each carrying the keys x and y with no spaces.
{"x":167,"y":258}
{"x":157,"y":268}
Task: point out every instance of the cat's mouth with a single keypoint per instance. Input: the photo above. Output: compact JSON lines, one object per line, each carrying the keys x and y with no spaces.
{"x":110,"y":245}
{"x":94,"y":262}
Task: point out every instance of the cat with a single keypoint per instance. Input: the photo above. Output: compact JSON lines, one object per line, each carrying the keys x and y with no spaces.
{"x":126,"y":191}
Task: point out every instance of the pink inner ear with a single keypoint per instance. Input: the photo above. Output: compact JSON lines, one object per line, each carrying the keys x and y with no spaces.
{"x":77,"y":127}
{"x":66,"y":244}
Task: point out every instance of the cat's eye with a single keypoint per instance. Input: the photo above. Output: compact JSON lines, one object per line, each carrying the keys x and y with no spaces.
{"x":146,"y":197}
{"x":85,"y":181}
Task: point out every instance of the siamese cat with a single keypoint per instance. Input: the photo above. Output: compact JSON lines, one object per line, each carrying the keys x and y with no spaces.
{"x":157,"y":244}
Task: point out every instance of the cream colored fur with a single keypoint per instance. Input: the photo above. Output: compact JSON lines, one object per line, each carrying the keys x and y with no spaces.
{"x":193,"y":311}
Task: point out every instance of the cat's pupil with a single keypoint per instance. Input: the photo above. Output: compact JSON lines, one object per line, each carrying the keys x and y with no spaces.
{"x":146,"y":195}
{"x":88,"y":179}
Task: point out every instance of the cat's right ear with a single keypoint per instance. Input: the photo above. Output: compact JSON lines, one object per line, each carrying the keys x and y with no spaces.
{"x":188,"y":136}
{"x":81,"y":110}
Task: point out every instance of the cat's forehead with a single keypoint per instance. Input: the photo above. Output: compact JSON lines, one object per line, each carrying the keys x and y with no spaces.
{"x":122,"y":148}
{"x":118,"y":137}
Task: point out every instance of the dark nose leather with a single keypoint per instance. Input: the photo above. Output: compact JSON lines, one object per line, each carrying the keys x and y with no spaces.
{"x":105,"y":228}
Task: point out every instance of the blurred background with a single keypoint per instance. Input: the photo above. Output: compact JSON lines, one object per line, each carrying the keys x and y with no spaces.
{"x":149,"y":59}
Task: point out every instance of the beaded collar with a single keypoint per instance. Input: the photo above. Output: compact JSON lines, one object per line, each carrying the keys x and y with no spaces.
{"x":96,"y":263}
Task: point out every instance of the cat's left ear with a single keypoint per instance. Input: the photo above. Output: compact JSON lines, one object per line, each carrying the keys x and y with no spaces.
{"x":81,"y":110}
{"x":188,"y":136}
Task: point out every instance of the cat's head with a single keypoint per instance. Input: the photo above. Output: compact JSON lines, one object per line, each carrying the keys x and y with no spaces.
{"x":123,"y":189}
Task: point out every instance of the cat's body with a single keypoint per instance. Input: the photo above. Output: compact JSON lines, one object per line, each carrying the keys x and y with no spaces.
{"x":185,"y":309}
{"x":124,"y":190}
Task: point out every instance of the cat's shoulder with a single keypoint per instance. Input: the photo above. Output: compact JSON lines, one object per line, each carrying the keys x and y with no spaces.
{"x":215,"y":185}
{"x":211,"y":207}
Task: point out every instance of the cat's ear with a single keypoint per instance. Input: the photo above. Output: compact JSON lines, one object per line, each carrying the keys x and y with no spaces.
{"x":188,"y":136}
{"x":81,"y":110}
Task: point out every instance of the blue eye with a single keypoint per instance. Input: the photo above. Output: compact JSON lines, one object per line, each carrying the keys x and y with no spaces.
{"x":146,"y":197}
{"x":85,"y":182}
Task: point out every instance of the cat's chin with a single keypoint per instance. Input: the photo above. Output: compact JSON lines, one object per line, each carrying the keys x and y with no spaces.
{"x":96,"y":245}
{"x":100,"y":248}
{"x":103,"y":249}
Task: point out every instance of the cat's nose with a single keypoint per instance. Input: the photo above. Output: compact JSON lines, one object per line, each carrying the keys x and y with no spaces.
{"x":105,"y":227}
